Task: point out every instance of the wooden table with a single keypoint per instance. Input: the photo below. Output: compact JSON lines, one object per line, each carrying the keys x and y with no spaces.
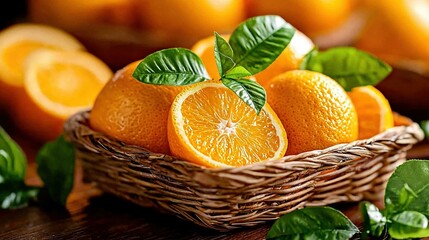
{"x":90,"y":214}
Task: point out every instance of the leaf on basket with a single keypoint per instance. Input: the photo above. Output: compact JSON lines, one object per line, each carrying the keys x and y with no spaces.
{"x":55,"y":166}
{"x":258,"y":41}
{"x":349,"y":66}
{"x":313,"y":223}
{"x":173,"y":66}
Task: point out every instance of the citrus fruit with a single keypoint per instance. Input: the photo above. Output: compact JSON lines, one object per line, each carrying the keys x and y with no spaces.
{"x":133,"y":112}
{"x":204,"y":48}
{"x":197,"y":20}
{"x":373,"y":109}
{"x":57,"y":84}
{"x":399,"y":28}
{"x":211,"y":126}
{"x":314,"y":109}
{"x":17,"y":42}
{"x":313,"y":17}
{"x":289,"y":59}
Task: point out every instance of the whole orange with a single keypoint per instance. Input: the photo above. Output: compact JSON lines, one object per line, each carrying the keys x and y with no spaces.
{"x":314,"y":109}
{"x":134,"y":112}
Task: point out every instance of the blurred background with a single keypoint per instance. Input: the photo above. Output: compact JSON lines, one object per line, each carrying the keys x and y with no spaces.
{"x":122,"y":31}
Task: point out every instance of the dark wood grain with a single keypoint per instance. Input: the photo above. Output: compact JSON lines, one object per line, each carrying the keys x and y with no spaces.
{"x":91,"y":214}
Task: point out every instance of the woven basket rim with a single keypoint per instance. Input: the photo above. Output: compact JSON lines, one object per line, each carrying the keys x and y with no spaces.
{"x":393,"y":134}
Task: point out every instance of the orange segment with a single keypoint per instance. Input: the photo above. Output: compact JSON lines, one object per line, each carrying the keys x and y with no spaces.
{"x":63,"y":83}
{"x":18,"y":41}
{"x":373,"y":109}
{"x":209,"y":125}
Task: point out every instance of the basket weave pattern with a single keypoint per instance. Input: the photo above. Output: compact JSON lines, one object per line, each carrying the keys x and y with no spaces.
{"x":229,"y":198}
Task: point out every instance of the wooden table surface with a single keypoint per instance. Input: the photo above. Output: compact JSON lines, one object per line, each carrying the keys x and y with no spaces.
{"x":90,"y":214}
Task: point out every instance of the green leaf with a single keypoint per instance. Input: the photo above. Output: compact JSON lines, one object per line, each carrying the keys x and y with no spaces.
{"x":313,"y":223}
{"x":413,"y":176}
{"x":411,"y":219}
{"x":409,"y":224}
{"x":374,"y":223}
{"x":425,"y":127}
{"x":258,"y":41}
{"x":308,"y":57}
{"x":13,"y":163}
{"x":223,"y":55}
{"x":16,"y":195}
{"x":349,"y":67}
{"x":173,"y":66}
{"x":237,"y":73}
{"x":55,"y":165}
{"x":249,"y":91}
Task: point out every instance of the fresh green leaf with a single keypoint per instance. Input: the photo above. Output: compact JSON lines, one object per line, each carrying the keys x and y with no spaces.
{"x":425,"y":126}
{"x":313,"y":223}
{"x":223,"y":55}
{"x":415,"y":175}
{"x":349,"y":67}
{"x":258,"y":41}
{"x":173,"y":66}
{"x":13,"y":163}
{"x":409,"y":224}
{"x":374,"y":223}
{"x":16,"y":195}
{"x":249,"y":91}
{"x":237,"y":73}
{"x":411,"y":219}
{"x":55,"y":165}
{"x":308,"y":58}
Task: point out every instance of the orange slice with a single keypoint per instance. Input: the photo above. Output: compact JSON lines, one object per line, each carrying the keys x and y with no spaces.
{"x":18,"y":41}
{"x":373,"y":109}
{"x":210,"y":126}
{"x":57,"y":84}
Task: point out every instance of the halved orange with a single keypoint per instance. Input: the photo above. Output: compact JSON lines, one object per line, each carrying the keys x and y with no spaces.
{"x":373,"y":109}
{"x":211,"y":126}
{"x":18,"y":41}
{"x":57,"y":84}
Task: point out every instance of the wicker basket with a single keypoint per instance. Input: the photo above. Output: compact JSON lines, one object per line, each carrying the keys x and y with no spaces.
{"x":229,"y":198}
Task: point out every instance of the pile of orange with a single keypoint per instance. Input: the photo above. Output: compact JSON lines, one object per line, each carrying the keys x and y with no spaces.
{"x":46,"y":76}
{"x":209,"y":125}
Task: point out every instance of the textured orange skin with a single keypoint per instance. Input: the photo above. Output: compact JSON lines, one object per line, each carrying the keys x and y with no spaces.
{"x":314,"y":109}
{"x":374,"y":112}
{"x":134,"y":112}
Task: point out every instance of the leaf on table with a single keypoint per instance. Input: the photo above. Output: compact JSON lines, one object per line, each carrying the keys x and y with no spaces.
{"x":55,"y":166}
{"x":409,"y":224}
{"x":13,"y":163}
{"x":409,"y":179}
{"x":313,"y":223}
{"x":374,"y":223}
{"x":16,"y":195}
